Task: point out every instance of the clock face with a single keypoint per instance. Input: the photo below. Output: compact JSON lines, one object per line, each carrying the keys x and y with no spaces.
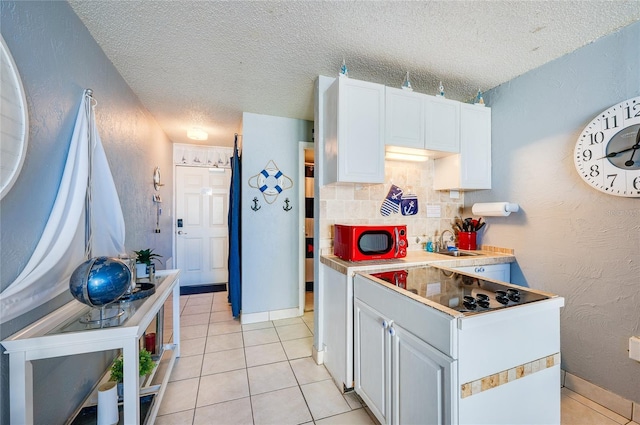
{"x":607,"y":153}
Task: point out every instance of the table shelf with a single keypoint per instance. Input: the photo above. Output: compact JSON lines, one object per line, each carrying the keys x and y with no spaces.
{"x":58,"y":334}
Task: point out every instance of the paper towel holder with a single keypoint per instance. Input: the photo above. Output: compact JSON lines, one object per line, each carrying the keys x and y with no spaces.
{"x":495,"y":209}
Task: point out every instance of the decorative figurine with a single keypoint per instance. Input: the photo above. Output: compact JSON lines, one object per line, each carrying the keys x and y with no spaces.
{"x":479,"y":100}
{"x":344,"y":72}
{"x":406,"y":84}
{"x":441,"y":89}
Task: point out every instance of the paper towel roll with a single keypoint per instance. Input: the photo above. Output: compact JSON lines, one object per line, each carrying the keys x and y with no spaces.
{"x":494,"y":209}
{"x":108,"y":404}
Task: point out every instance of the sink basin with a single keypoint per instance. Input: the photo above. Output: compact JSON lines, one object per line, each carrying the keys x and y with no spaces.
{"x":458,"y":253}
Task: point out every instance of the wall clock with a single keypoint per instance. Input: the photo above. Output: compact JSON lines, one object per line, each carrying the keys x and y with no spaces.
{"x":607,"y":153}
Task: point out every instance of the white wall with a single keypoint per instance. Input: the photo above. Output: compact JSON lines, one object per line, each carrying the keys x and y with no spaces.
{"x":270,"y":235}
{"x":569,"y":238}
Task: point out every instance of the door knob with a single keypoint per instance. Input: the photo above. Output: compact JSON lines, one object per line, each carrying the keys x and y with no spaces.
{"x":180,"y":232}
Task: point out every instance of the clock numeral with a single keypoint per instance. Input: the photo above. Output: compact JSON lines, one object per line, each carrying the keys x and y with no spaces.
{"x":595,"y":171}
{"x":597,"y":137}
{"x":630,"y":111}
{"x":612,"y":177}
{"x":587,"y":155}
{"x":614,"y":119}
{"x":636,"y":183}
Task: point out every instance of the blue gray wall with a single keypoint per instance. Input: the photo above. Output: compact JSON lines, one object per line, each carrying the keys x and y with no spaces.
{"x":57,"y":59}
{"x":270,"y":235}
{"x":569,"y":238}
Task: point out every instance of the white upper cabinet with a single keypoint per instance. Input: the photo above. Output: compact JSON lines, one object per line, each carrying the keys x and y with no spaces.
{"x":420,"y":121}
{"x":442,"y":127}
{"x":471,"y":168}
{"x":354,"y":132}
{"x":404,"y":118}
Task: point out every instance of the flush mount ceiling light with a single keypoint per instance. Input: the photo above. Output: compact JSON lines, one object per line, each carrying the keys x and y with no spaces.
{"x":196,"y":133}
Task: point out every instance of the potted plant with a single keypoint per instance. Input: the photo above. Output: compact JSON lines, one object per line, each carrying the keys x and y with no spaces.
{"x":145,"y":259}
{"x":146,"y":365}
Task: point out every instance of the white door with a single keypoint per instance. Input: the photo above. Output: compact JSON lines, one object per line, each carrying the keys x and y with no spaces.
{"x":371,"y":358}
{"x":202,"y":246}
{"x":421,"y":388}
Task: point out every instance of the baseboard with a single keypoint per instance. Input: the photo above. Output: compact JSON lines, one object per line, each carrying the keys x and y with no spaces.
{"x":203,"y":289}
{"x":606,"y":398}
{"x":264,"y":316}
{"x":318,"y":355}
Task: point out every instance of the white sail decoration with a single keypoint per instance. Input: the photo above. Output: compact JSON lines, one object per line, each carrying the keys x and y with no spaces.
{"x":68,"y":239}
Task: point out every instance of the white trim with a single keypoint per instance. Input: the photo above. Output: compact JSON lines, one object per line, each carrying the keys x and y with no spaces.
{"x":265,"y":316}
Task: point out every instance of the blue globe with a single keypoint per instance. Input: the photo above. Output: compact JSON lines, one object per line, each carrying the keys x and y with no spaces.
{"x":100,"y":281}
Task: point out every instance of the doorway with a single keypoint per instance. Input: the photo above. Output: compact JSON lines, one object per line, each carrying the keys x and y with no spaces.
{"x":306,"y":250}
{"x":202,"y":237}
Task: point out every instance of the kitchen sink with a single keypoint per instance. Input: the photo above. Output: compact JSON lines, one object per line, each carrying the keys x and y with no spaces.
{"x":458,"y":253}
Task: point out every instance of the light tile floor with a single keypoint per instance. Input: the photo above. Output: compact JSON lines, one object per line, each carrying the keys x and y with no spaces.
{"x":263,"y":373}
{"x":260,"y":373}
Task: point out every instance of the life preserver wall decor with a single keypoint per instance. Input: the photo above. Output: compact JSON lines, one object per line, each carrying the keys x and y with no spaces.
{"x":270,"y":182}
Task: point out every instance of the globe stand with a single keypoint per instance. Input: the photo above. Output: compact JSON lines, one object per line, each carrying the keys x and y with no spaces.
{"x":104,"y":316}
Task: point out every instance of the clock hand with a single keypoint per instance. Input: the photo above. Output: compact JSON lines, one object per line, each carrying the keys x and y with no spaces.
{"x":635,"y":147}
{"x":630,"y":162}
{"x":612,"y":154}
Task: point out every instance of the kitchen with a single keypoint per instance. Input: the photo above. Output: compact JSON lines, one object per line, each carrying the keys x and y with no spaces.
{"x":568,"y":238}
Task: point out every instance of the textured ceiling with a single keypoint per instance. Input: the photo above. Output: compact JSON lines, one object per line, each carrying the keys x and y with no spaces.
{"x":205,"y":62}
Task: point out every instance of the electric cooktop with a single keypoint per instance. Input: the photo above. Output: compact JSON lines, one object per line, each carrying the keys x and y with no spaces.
{"x":459,"y":291}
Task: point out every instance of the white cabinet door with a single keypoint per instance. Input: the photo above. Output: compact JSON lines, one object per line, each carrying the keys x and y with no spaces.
{"x":501,"y":272}
{"x":442,"y":127}
{"x":404,"y":112}
{"x":475,"y":146}
{"x":371,"y":357}
{"x":420,"y":121}
{"x":471,"y":168}
{"x":354,"y":132}
{"x":421,"y":380}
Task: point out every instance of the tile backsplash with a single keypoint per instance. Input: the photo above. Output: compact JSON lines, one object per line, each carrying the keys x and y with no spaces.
{"x":352,"y":203}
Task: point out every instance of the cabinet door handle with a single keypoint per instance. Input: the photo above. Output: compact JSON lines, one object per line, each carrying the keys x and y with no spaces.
{"x":392,"y":331}
{"x":385,"y":325}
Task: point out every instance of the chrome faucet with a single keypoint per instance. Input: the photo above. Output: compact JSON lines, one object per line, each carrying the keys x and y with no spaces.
{"x":444,"y":247}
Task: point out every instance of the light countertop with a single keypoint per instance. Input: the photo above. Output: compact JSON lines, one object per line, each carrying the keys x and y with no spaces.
{"x":485,"y":256}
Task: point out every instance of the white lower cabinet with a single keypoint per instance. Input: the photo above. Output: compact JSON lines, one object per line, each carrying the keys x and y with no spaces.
{"x":415,"y":364}
{"x":400,"y":377}
{"x":372,"y":360}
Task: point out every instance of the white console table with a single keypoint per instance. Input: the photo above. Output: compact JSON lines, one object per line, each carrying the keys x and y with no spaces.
{"x":59,"y":334}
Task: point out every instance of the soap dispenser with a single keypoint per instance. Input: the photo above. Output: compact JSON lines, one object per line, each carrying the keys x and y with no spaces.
{"x":429,"y":245}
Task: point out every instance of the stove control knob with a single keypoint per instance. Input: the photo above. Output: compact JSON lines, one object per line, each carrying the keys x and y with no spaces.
{"x":502,"y":299}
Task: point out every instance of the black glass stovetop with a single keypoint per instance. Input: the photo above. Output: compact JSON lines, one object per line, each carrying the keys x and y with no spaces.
{"x":459,"y":291}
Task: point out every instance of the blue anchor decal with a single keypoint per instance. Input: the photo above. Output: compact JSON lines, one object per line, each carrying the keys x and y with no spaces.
{"x":255,"y":205}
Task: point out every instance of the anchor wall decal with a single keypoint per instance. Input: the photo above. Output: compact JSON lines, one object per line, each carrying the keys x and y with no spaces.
{"x":287,"y":207}
{"x":255,"y":205}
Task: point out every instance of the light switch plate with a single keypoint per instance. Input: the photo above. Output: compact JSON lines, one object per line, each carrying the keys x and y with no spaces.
{"x":634,"y":348}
